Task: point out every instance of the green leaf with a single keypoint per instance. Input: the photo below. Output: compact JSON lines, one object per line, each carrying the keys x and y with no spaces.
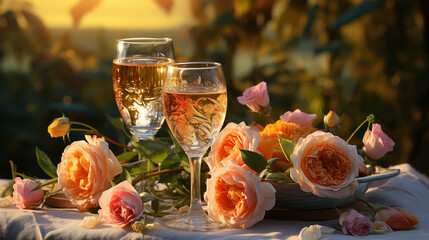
{"x":126,"y":156}
{"x":275,"y":176}
{"x":8,"y":190}
{"x":13,"y":169}
{"x":45,"y":163}
{"x":355,"y":12}
{"x":154,"y":150}
{"x":272,"y":161}
{"x":254,"y":160}
{"x":287,"y":176}
{"x":287,"y":147}
{"x":146,"y":197}
{"x":117,"y":122}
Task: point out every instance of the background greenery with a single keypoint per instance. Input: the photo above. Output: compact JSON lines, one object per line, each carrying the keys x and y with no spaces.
{"x":352,"y":56}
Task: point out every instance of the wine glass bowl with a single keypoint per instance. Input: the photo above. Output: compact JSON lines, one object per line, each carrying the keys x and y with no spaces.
{"x":195,"y":103}
{"x":138,"y":77}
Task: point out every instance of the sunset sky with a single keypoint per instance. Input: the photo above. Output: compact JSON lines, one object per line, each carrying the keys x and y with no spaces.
{"x":122,"y":14}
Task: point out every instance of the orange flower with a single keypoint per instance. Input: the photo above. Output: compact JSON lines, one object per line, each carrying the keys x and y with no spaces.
{"x":228,"y":143}
{"x":326,"y":165}
{"x":237,"y":197}
{"x":269,"y":145}
{"x":86,"y":170}
{"x":59,"y":127}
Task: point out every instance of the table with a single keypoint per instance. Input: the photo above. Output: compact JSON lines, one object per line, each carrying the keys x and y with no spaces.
{"x":409,"y":190}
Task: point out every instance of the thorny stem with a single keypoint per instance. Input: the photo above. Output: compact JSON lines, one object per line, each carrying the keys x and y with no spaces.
{"x":135,"y":181}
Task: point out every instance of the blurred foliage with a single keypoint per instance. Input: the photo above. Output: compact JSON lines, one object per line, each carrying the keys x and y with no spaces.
{"x":353,"y":56}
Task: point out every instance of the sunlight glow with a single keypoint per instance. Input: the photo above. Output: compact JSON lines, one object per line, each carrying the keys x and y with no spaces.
{"x":113,"y":14}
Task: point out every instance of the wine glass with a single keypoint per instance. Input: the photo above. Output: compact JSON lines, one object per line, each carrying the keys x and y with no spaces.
{"x":195,"y":102}
{"x":138,"y":77}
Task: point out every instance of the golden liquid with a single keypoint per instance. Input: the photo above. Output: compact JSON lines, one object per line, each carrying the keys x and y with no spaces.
{"x":137,"y":84}
{"x":195,"y":118}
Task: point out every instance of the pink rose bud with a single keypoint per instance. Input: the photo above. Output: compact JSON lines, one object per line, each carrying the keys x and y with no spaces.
{"x":397,"y":219}
{"x":121,"y":205}
{"x":331,"y":119}
{"x":255,"y":97}
{"x":355,"y":223}
{"x":376,"y":142}
{"x":300,"y":118}
{"x":24,"y":195}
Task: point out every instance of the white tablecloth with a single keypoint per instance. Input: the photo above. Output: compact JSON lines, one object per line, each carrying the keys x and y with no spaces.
{"x":409,"y":190}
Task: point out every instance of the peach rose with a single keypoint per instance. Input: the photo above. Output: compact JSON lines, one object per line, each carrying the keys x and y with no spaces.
{"x":228,"y":143}
{"x":121,"y":205}
{"x":236,"y":197}
{"x":397,"y":219}
{"x":298,"y":117}
{"x":23,"y":194}
{"x":376,"y":142}
{"x":255,"y":97}
{"x":86,"y":170}
{"x":326,"y":165}
{"x":59,"y":127}
{"x":269,"y":146}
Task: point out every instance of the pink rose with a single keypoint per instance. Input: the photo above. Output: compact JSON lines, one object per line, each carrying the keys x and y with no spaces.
{"x":121,"y":205}
{"x":377,"y":143}
{"x":255,"y":97}
{"x":397,"y":219}
{"x":86,"y":170}
{"x":23,"y":195}
{"x":228,"y":143}
{"x":236,"y":197}
{"x":355,"y":223}
{"x":325,"y":165}
{"x":300,"y":118}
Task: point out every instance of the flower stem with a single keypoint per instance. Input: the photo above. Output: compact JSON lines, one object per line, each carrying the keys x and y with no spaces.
{"x":166,"y":171}
{"x":369,"y":205}
{"x":369,"y":119}
{"x":96,"y":132}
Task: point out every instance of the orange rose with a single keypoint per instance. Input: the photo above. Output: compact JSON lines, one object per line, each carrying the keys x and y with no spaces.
{"x":228,"y":143}
{"x":86,"y":170}
{"x":269,"y":145}
{"x":326,"y":165}
{"x":237,"y":197}
{"x":59,"y":127}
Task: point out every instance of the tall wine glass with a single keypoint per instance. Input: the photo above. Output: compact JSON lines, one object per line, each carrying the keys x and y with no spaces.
{"x":195,"y":102}
{"x":138,"y":77}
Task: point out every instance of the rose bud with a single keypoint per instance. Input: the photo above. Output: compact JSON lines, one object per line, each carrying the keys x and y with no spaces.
{"x":24,"y":195}
{"x":331,"y":119}
{"x":255,"y":97}
{"x":376,"y":142}
{"x":59,"y":127}
{"x":397,"y":219}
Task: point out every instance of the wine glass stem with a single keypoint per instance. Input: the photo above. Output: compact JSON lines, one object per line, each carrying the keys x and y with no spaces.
{"x":195,"y":209}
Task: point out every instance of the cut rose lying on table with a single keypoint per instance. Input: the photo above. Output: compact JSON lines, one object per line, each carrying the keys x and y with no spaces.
{"x":241,"y":159}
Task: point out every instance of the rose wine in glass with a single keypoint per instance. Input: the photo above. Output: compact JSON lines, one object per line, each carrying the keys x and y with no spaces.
{"x":138,"y":77}
{"x":195,"y":103}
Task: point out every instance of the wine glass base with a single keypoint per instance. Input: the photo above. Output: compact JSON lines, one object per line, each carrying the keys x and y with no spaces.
{"x":200,"y":224}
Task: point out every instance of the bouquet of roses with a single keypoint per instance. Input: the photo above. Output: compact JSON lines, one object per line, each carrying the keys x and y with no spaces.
{"x":243,"y":157}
